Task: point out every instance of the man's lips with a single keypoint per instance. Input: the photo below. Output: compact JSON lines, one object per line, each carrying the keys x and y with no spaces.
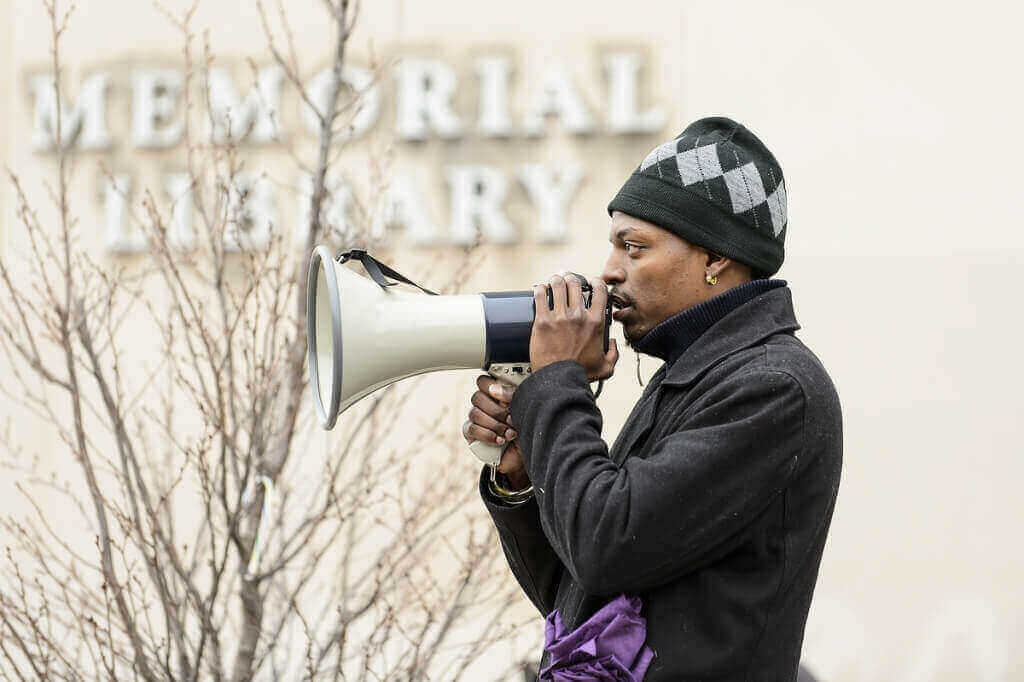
{"x":621,"y":306}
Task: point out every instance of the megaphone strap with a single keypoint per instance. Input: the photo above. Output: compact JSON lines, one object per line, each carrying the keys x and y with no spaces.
{"x":379,"y":272}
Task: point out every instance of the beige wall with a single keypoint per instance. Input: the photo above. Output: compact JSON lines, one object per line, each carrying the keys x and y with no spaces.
{"x":896,"y":125}
{"x":7,"y":78}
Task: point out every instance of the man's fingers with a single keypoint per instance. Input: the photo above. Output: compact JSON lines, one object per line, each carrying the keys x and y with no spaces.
{"x":479,"y":433}
{"x":540,"y":301}
{"x":491,"y":408}
{"x":558,"y":293}
{"x":611,"y":358}
{"x":481,"y":418}
{"x":484,"y":381}
{"x":501,"y":392}
{"x":599,"y":298}
{"x":511,"y":459}
{"x":481,"y":427}
{"x":574,"y":292}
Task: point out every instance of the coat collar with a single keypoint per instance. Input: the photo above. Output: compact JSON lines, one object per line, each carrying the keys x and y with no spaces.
{"x":767,"y":314}
{"x":670,"y":338}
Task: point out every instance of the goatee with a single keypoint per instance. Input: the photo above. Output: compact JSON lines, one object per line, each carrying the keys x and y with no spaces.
{"x":630,"y":339}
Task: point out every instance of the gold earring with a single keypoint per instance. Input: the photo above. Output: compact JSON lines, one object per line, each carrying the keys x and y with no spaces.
{"x":711,"y":280}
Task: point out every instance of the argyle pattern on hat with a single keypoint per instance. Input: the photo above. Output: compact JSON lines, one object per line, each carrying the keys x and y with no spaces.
{"x":726,"y":175}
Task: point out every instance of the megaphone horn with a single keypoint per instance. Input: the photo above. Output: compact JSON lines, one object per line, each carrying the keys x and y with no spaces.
{"x":364,"y":334}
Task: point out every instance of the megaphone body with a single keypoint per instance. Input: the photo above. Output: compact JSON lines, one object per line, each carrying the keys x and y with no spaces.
{"x":364,"y":334}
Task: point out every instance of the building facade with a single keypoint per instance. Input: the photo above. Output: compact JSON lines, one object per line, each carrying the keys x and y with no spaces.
{"x":519,"y":123}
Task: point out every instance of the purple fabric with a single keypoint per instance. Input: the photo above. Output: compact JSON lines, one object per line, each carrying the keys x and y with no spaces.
{"x":609,"y":646}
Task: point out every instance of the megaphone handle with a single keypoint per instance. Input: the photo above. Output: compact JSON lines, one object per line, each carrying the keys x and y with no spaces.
{"x":487,"y":453}
{"x":508,"y":374}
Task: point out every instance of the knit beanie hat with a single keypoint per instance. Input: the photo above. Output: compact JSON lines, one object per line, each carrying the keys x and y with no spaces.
{"x":717,"y":186}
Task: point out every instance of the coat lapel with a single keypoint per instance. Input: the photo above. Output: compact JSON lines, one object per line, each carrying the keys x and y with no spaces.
{"x":768,"y":314}
{"x":640,"y":419}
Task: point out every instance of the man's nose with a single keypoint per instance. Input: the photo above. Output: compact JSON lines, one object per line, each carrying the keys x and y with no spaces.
{"x":613,"y":274}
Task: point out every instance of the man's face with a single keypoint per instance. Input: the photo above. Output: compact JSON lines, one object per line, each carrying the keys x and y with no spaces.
{"x":652,"y":274}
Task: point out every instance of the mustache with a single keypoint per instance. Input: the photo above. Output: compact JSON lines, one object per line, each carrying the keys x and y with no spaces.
{"x":619,"y":299}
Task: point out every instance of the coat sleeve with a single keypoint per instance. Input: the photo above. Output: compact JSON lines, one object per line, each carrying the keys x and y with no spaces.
{"x":529,"y":554}
{"x":636,"y":526}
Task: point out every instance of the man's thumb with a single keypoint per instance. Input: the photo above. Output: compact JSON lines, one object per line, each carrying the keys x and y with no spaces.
{"x":610,"y":358}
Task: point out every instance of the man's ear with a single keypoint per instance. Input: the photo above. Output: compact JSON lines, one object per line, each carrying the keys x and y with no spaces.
{"x":717,"y":264}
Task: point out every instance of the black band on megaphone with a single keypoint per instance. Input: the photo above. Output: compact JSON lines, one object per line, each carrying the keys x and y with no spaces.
{"x":379,"y":272}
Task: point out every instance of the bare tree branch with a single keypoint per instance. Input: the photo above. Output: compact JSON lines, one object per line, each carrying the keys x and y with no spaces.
{"x":169,"y":454}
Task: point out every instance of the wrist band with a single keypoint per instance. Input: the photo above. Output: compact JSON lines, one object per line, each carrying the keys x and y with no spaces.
{"x":506,"y":495}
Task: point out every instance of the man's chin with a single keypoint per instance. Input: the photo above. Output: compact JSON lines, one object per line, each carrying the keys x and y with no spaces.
{"x":631,"y":334}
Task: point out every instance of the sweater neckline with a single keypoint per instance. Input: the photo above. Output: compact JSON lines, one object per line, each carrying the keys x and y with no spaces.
{"x":670,"y":338}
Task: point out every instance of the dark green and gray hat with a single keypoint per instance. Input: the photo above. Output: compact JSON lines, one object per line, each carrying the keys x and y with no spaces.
{"x":716,"y":185}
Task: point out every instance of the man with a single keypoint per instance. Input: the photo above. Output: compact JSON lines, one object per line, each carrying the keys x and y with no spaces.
{"x":713,"y":505}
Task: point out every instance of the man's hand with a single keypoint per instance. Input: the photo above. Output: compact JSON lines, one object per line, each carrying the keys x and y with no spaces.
{"x":571,"y":331}
{"x":488,"y":422}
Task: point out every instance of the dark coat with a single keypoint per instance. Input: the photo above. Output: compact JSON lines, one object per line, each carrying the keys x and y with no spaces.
{"x":713,"y":505}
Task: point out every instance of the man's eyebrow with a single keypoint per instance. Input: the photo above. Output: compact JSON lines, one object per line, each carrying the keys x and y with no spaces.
{"x":624,"y":232}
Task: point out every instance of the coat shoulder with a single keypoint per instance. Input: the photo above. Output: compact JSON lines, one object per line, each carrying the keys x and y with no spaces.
{"x":786,"y":354}
{"x":783,"y":353}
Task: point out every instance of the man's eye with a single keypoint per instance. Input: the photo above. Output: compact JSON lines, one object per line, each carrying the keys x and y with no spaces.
{"x":631,"y":248}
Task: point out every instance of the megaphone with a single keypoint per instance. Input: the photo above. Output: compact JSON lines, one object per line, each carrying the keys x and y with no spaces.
{"x":364,"y":334}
